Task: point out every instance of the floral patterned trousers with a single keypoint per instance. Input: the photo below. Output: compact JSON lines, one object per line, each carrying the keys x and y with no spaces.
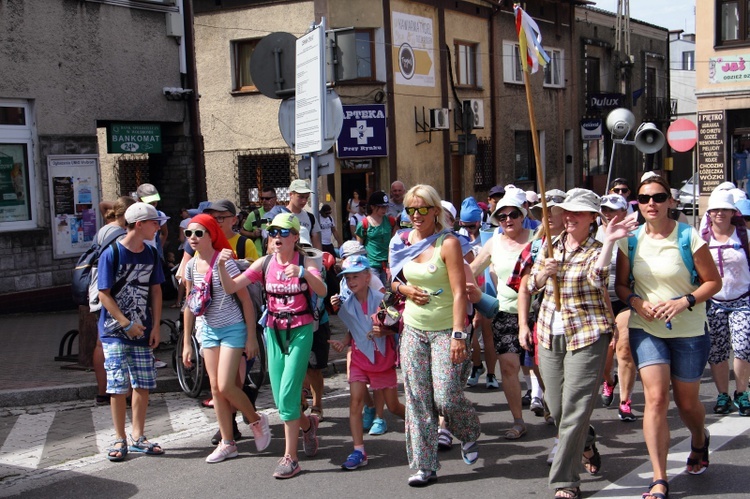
{"x":433,"y":386}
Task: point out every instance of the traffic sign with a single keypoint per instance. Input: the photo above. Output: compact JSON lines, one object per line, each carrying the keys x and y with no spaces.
{"x":682,"y":135}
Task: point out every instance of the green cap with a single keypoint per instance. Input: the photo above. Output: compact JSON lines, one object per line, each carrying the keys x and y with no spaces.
{"x":284,"y":221}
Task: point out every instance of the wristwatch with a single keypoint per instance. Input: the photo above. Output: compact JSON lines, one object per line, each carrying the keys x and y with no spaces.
{"x":691,"y":301}
{"x":459,"y":335}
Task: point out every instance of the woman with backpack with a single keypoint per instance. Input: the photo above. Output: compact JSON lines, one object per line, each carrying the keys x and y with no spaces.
{"x":287,"y":282}
{"x":227,"y":327}
{"x":729,"y":309}
{"x":673,"y":275}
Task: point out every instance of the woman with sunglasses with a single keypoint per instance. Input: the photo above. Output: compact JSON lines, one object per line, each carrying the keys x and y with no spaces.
{"x":573,"y":341}
{"x":668,"y":337}
{"x":288,"y":328}
{"x":226,"y":328}
{"x":502,"y":251}
{"x":428,"y":269}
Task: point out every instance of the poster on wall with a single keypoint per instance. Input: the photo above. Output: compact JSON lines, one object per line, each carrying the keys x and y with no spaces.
{"x":711,"y":150}
{"x":14,"y":189}
{"x":413,"y":50}
{"x":74,"y":202}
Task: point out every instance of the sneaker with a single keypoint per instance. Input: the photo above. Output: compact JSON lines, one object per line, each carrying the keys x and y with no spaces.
{"x":159,"y":364}
{"x":223,"y":451}
{"x":626,"y":414}
{"x":492,"y":383}
{"x":742,"y":403}
{"x":287,"y":468}
{"x":368,"y":417}
{"x":355,"y":460}
{"x":310,"y":437}
{"x":470,"y":452}
{"x":236,"y":435}
{"x":553,"y":451}
{"x":537,"y":407}
{"x":723,"y":404}
{"x":476,"y":371}
{"x":379,"y":426}
{"x":422,"y":478}
{"x":445,"y":439}
{"x":526,"y":399}
{"x":261,"y":432}
{"x":608,"y":392}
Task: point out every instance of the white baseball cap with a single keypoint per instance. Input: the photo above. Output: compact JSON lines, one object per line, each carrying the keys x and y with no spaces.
{"x":140,"y":212}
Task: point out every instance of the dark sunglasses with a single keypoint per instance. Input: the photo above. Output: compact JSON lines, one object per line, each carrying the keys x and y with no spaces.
{"x":467,"y":224}
{"x":279,"y":232}
{"x":658,"y":198}
{"x":198,"y":233}
{"x":554,"y":199}
{"x":422,"y":210}
{"x":620,"y":190}
{"x":267,"y":198}
{"x":502,"y":217}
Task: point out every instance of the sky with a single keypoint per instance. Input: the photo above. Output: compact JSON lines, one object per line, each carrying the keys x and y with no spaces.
{"x":670,"y":14}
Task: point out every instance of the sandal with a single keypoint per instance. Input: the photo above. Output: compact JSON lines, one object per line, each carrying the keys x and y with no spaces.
{"x":703,"y":461}
{"x":657,"y":495}
{"x":317,"y":411}
{"x":594,"y":463}
{"x":568,"y":493}
{"x":143,"y":446}
{"x":516,"y":432}
{"x":123,"y":451}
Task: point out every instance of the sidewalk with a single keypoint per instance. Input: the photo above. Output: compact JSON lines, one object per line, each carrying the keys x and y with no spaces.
{"x":30,"y":375}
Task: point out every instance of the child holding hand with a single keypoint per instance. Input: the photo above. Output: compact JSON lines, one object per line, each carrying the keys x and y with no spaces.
{"x":373,"y":358}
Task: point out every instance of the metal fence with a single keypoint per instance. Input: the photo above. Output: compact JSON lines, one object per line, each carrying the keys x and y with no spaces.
{"x":256,"y":169}
{"x":484,"y":169}
{"x":131,"y":171}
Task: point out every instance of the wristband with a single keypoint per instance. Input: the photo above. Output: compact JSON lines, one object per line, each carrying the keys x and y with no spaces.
{"x":127,"y":328}
{"x":691,"y":301}
{"x":398,"y":288}
{"x":630,"y":299}
{"x":301,"y":272}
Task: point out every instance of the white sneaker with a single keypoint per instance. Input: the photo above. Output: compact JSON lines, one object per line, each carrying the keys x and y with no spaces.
{"x":553,"y":451}
{"x":261,"y":432}
{"x":537,"y":407}
{"x":223,"y":451}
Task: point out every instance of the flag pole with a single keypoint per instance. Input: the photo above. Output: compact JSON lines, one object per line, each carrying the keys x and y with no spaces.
{"x":521,"y":18}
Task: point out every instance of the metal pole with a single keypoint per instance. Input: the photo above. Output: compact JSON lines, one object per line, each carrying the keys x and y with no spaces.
{"x":611,"y":162}
{"x":695,"y":183}
{"x":314,"y":158}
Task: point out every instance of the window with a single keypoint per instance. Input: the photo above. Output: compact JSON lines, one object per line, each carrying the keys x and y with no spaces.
{"x":512,"y":70}
{"x":554,"y":72}
{"x":242,"y":53}
{"x":732,"y":22}
{"x":17,"y":178}
{"x":525,"y":165}
{"x":593,"y":78}
{"x":365,"y":50}
{"x":355,"y":55}
{"x":263,"y":168}
{"x":688,"y":60}
{"x":467,"y":64}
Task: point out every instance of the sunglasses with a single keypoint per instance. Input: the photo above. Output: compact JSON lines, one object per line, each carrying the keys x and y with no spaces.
{"x":502,"y":217}
{"x":554,"y":199}
{"x":658,"y":198}
{"x":422,"y":210}
{"x":467,"y":224}
{"x":620,"y":190}
{"x":279,"y":232}
{"x":220,"y":220}
{"x":197,"y":232}
{"x":267,"y":198}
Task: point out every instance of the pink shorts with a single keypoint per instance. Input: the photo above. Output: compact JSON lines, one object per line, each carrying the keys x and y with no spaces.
{"x":376,"y":380}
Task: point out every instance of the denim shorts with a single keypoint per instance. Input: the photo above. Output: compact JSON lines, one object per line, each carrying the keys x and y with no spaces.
{"x":233,"y":336}
{"x":686,"y":357}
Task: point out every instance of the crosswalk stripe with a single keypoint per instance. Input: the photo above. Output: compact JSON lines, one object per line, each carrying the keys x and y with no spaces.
{"x":25,"y":443}
{"x":103,"y":428}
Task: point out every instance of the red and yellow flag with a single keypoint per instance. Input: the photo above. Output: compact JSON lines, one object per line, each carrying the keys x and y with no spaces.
{"x":529,"y":41}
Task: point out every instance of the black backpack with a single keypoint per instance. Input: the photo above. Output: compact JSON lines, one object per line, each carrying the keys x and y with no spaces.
{"x":85,"y":270}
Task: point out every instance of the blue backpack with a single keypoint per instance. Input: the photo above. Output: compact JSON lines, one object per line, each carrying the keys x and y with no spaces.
{"x":684,"y":238}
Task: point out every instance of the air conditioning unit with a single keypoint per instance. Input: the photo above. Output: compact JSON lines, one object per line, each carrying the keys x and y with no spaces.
{"x":439,"y":119}
{"x":477,"y":106}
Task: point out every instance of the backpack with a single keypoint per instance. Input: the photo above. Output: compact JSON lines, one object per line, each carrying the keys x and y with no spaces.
{"x":365,"y":224}
{"x":309,"y":295}
{"x":684,"y":237}
{"x":84,"y":284}
{"x":241,"y":247}
{"x":199,"y":298}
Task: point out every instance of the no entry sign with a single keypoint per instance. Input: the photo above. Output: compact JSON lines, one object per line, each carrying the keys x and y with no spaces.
{"x":682,"y":135}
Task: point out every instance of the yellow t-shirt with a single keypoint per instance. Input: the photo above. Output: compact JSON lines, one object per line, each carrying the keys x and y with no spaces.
{"x":660,"y":275}
{"x":503,"y":263}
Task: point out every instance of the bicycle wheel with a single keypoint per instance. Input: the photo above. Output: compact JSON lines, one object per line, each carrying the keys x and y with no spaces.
{"x":191,"y":379}
{"x":256,"y":370}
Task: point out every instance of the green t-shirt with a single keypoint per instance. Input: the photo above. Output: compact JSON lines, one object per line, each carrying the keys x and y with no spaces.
{"x":375,"y":241}
{"x":251,"y":224}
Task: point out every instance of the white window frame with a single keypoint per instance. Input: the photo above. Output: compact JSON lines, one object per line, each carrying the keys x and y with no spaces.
{"x":24,"y":135}
{"x":512,"y":68}
{"x":555,"y":70}
{"x":468,"y":69}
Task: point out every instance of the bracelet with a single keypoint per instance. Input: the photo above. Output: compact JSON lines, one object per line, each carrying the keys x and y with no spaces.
{"x":630,"y":299}
{"x":126,"y":329}
{"x":398,"y":288}
{"x":301,"y":272}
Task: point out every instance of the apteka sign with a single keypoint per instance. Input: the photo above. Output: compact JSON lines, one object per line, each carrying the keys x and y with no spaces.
{"x":364,"y":132}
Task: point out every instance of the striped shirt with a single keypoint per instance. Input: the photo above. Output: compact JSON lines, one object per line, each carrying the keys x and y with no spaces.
{"x":223,"y":310}
{"x":583,"y":290}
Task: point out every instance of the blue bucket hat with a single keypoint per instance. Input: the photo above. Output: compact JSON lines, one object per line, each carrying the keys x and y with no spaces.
{"x":744,"y":206}
{"x":470,"y":210}
{"x":354,"y":263}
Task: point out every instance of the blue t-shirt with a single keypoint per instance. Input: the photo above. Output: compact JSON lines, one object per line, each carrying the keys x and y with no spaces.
{"x":141,"y":271}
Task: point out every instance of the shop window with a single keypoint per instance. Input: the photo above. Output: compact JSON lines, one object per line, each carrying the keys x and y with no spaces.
{"x":732,"y":23}
{"x":554,"y":72}
{"x":467,"y":64}
{"x":17,"y":175}
{"x":242,"y":52}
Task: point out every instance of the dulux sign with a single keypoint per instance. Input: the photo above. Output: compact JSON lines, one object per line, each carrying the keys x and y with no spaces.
{"x":591,"y":129}
{"x":605,"y":101}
